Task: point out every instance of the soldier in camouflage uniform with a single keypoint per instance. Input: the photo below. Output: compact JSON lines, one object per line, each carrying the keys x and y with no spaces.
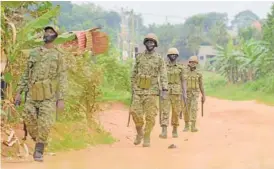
{"x":44,"y":80}
{"x":148,"y":68}
{"x":195,"y":85}
{"x":177,"y":90}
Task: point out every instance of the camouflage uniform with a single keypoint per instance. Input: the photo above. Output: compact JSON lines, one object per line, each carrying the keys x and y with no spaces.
{"x":148,"y":68}
{"x":174,"y":98}
{"x":44,"y":78}
{"x":176,"y":76}
{"x":194,"y":86}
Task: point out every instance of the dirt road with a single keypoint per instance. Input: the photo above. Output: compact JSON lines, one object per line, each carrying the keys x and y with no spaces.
{"x":233,"y":135}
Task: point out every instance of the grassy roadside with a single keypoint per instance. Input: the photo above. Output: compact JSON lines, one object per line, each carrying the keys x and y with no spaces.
{"x":77,"y":135}
{"x":115,"y":95}
{"x":64,"y":136}
{"x":216,"y":86}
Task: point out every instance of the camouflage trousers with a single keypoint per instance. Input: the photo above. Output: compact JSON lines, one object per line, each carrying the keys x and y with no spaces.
{"x":184,"y":111}
{"x":192,"y":106}
{"x":144,"y":106}
{"x":174,"y":103}
{"x":39,"y":118}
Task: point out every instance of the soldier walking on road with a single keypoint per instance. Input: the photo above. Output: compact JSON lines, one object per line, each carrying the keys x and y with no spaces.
{"x":148,"y":68}
{"x":44,"y":80}
{"x":195,"y":85}
{"x":177,"y":92}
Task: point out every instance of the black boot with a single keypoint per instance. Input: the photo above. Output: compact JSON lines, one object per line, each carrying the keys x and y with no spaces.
{"x":38,"y":152}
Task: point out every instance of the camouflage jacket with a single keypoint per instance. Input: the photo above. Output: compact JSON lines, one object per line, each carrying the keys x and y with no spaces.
{"x":193,"y":79}
{"x":179,"y":71}
{"x":151,"y":65}
{"x":44,"y":64}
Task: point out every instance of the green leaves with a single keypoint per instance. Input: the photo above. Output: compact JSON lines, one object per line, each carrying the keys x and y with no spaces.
{"x":38,"y":23}
{"x":12,"y":4}
{"x":7,"y":77}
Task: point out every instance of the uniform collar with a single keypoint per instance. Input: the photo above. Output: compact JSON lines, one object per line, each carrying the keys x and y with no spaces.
{"x":147,"y":52}
{"x":172,"y":63}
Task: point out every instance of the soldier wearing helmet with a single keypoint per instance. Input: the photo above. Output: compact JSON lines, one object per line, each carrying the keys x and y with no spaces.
{"x":195,"y":85}
{"x":177,"y":92}
{"x":44,"y":80}
{"x":148,"y":68}
{"x":51,"y":33}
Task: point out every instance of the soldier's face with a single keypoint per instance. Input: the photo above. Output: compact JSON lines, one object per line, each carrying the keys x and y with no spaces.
{"x":49,"y":36}
{"x":172,"y":57}
{"x":150,"y":45}
{"x":192,"y":65}
{"x":49,"y":32}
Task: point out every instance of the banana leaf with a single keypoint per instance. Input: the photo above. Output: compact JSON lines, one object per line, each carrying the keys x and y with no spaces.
{"x":38,"y":23}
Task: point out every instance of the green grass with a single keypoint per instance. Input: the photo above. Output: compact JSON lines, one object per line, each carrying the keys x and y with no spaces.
{"x":216,"y":86}
{"x":76,"y":135}
{"x":115,"y":95}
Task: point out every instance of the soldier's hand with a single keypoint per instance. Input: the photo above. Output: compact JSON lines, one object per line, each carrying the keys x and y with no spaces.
{"x":60,"y":105}
{"x":17,"y":99}
{"x":203,"y":98}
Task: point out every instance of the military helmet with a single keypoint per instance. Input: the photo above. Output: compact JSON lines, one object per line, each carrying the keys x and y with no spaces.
{"x":54,"y":28}
{"x":151,"y":36}
{"x":172,"y":51}
{"x":193,"y":59}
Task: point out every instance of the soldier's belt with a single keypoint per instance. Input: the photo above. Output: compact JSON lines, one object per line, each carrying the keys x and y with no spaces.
{"x":144,"y":81}
{"x":43,"y":90}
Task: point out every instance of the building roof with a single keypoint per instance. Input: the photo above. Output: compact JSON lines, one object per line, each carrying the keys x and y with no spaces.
{"x":206,"y":50}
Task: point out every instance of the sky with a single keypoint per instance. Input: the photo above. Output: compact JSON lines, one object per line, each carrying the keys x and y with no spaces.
{"x":176,"y":12}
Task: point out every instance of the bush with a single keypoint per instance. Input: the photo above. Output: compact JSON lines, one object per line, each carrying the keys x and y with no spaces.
{"x":263,"y":84}
{"x":85,"y":79}
{"x":116,"y":77}
{"x":116,"y":72}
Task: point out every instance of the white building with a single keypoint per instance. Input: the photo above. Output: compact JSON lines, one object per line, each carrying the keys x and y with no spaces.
{"x":205,"y":53}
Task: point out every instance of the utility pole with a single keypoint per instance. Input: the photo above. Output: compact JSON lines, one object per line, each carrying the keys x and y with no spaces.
{"x":122,"y":34}
{"x":132,"y":35}
{"x":137,"y":32}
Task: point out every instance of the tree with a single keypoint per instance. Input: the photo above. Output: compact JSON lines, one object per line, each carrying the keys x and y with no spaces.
{"x":268,"y":36}
{"x":244,"y":19}
{"x":214,"y":18}
{"x":21,"y":24}
{"x":250,"y":33}
{"x":194,"y":27}
{"x":218,"y":34}
{"x":226,"y":61}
